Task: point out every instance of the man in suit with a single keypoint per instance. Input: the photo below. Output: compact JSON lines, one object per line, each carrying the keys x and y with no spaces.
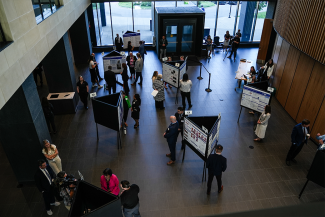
{"x":118,"y":43}
{"x":299,"y":137}
{"x":138,"y":69}
{"x":43,"y":181}
{"x":96,"y":68}
{"x":171,"y":136}
{"x":180,"y":119}
{"x":216,"y":164}
{"x":110,"y":79}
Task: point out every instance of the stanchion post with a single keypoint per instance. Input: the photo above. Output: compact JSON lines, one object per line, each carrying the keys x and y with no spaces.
{"x":97,"y":131}
{"x":208,"y":89}
{"x":200,"y":78}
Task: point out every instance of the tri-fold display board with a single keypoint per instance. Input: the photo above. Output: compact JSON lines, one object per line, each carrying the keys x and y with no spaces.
{"x":254,"y":99}
{"x":114,"y":59}
{"x":173,"y":72}
{"x":134,"y":37}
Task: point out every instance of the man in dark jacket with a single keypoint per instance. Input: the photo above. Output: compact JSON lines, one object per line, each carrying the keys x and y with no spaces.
{"x":110,"y":79}
{"x":216,"y":164}
{"x":171,"y":136}
{"x":130,"y":199}
{"x":162,"y":45}
{"x":180,"y":119}
{"x":118,"y":43}
{"x":234,"y":47}
{"x":43,"y":181}
{"x":299,"y":136}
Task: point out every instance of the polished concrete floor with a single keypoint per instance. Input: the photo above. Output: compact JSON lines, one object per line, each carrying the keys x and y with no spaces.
{"x":255,"y":178}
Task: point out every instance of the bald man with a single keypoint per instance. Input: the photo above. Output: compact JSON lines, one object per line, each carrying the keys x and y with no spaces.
{"x":171,"y":136}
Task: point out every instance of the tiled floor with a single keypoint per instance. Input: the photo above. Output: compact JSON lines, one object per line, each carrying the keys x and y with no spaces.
{"x":255,"y":178}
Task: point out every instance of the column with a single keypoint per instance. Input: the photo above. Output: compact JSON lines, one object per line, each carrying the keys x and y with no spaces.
{"x":22,"y":130}
{"x":246,"y":19}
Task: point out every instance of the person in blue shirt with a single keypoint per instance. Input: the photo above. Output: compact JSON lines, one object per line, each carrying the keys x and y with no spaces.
{"x":142,"y":50}
{"x":171,"y":136}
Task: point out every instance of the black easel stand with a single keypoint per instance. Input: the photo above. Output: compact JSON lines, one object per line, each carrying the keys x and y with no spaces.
{"x":204,"y":172}
{"x":241,"y":107}
{"x":119,"y":143}
{"x":176,"y":100}
{"x":97,"y":131}
{"x":208,"y":89}
{"x":302,"y":190}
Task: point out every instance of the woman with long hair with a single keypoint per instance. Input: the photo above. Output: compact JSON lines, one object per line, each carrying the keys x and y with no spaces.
{"x":49,"y":114}
{"x":268,"y":70}
{"x":52,"y":155}
{"x":262,"y":123}
{"x":135,"y":109}
{"x":154,"y":77}
{"x":92,"y":71}
{"x":125,"y":78}
{"x":185,"y":88}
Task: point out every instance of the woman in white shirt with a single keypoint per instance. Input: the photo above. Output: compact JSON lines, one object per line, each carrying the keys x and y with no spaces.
{"x":52,"y":155}
{"x":262,"y":123}
{"x":268,"y":70}
{"x":185,"y":86}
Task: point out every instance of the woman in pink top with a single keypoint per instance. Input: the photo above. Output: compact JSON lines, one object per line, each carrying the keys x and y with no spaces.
{"x":109,"y":182}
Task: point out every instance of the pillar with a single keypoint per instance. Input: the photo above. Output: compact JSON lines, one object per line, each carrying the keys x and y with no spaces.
{"x":102,"y":13}
{"x":246,"y":19}
{"x":80,"y":39}
{"x":22,"y":129}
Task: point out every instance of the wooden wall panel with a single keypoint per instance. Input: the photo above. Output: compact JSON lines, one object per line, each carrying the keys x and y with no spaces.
{"x":265,"y":39}
{"x":299,"y":84}
{"x":287,"y":76}
{"x":280,"y":64}
{"x":277,"y":50}
{"x":319,"y":125}
{"x":314,"y":95}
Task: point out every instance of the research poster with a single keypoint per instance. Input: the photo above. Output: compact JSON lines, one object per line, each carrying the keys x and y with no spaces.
{"x":195,"y":136}
{"x":170,"y":74}
{"x":214,"y":135}
{"x":244,"y":67}
{"x":255,"y":99}
{"x":115,"y":62}
{"x":120,"y":112}
{"x":182,"y":70}
{"x":134,"y":37}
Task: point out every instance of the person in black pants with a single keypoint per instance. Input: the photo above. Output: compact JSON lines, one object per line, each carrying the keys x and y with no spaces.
{"x":96,"y":67}
{"x":234,"y":47}
{"x":180,"y":119}
{"x":110,"y":79}
{"x":171,"y":135}
{"x":130,"y":199}
{"x":130,"y":47}
{"x":43,"y":181}
{"x":185,"y":87}
{"x":49,"y":114}
{"x":125,"y":78}
{"x":83,"y":91}
{"x":299,"y":137}
{"x":118,"y":43}
{"x":216,"y":164}
{"x":38,"y":71}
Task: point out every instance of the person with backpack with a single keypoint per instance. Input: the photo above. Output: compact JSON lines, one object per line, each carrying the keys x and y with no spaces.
{"x":49,"y":114}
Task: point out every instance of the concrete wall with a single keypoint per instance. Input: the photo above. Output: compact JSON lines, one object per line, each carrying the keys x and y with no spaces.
{"x":31,"y":41}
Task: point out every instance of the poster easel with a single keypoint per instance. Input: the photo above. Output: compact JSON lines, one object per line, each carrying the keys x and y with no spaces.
{"x":134,"y":37}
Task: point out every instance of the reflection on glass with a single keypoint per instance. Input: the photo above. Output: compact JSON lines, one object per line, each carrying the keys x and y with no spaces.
{"x":165,"y":3}
{"x":187,"y":38}
{"x":37,"y":11}
{"x":262,"y":8}
{"x":142,"y":12}
{"x":210,"y":8}
{"x":171,"y":36}
{"x":226,"y":19}
{"x":186,"y":4}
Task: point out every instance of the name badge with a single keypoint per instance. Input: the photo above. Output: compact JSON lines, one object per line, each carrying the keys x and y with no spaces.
{"x":182,"y":120}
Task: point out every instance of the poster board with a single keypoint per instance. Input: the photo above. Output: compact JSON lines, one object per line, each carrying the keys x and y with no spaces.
{"x":195,"y":136}
{"x":214,"y":135}
{"x":254,"y":99}
{"x":114,"y":59}
{"x":182,"y":70}
{"x":134,"y":37}
{"x":120,"y":111}
{"x":171,"y":74}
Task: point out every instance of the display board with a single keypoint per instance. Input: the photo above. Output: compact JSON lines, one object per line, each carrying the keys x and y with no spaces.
{"x":134,"y":37}
{"x":114,"y":59}
{"x":171,"y":74}
{"x":120,"y":110}
{"x":182,"y":70}
{"x":214,"y":135}
{"x":195,"y":136}
{"x":244,"y":66}
{"x":254,"y":99}
{"x":316,"y":172}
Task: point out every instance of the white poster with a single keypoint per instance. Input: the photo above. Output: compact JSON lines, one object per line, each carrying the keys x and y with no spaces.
{"x":134,"y":37}
{"x":115,"y":62}
{"x":195,"y":136}
{"x":254,"y":99}
{"x":182,"y":70}
{"x":120,"y":112}
{"x":214,"y":136}
{"x":170,"y":75}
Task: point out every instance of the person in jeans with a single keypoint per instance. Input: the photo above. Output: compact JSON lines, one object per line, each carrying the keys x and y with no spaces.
{"x":185,"y":86}
{"x":163,"y":44}
{"x":49,"y":114}
{"x":234,"y":47}
{"x":131,"y":63}
{"x":130,"y":199}
{"x":138,"y":69}
{"x":52,"y":155}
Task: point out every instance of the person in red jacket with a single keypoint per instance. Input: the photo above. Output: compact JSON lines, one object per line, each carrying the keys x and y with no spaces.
{"x":109,"y":182}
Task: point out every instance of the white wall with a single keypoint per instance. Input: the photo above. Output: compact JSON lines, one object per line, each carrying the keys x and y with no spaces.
{"x":31,"y":41}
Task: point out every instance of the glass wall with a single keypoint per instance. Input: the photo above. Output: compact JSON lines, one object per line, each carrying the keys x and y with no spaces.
{"x":165,"y":4}
{"x":210,"y":8}
{"x":43,"y":9}
{"x":226,"y":18}
{"x":186,"y":4}
{"x":262,"y":8}
{"x":143,"y":21}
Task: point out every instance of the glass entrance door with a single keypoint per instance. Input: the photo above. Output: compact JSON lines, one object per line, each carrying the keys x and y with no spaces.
{"x":187,"y":39}
{"x":171,"y":36}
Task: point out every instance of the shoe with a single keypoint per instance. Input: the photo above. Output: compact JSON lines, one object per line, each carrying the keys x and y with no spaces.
{"x":49,"y":212}
{"x":55,"y":204}
{"x":168,"y":155}
{"x":94,"y":85}
{"x":229,"y":57}
{"x":190,"y":107}
{"x":170,"y":162}
{"x":293,"y":160}
{"x":288,"y":163}
{"x":221,"y":189}
{"x":140,"y":83}
{"x":100,"y":86}
{"x":257,"y":139}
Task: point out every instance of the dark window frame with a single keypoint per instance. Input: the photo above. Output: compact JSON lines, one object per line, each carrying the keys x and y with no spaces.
{"x":41,"y":9}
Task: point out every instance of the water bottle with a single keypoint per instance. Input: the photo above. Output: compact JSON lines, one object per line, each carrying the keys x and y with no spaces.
{"x":104,"y":86}
{"x":124,"y":130}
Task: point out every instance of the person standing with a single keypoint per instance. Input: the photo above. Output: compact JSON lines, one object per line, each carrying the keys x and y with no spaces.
{"x":51,"y":153}
{"x":96,"y":67}
{"x":234,"y":47}
{"x":125,"y":78}
{"x":131,"y":63}
{"x":171,"y":135}
{"x":38,"y":72}
{"x":154,"y":77}
{"x":158,"y":85}
{"x":239,"y":33}
{"x":185,"y":87}
{"x":142,"y":50}
{"x":83,"y":91}
{"x":130,"y":47}
{"x":262,"y":123}
{"x":216,"y":164}
{"x":299,"y":137}
{"x":125,"y":108}
{"x":118,"y":43}
{"x":135,"y":109}
{"x":49,"y":114}
{"x":43,"y":181}
{"x":109,"y":182}
{"x":138,"y":69}
{"x":162,"y":45}
{"x":209,"y":46}
{"x":110,"y":79}
{"x":268,"y":70}
{"x":92,"y":70}
{"x":180,"y":119}
{"x":130,"y":199}
{"x":226,"y":41}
